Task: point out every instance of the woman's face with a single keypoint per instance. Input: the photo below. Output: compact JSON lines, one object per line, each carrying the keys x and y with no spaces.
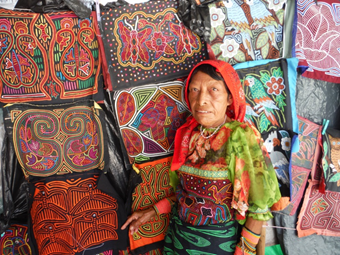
{"x":208,"y":100}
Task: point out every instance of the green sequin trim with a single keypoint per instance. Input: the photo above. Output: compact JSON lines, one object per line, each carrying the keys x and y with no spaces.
{"x":215,"y":175}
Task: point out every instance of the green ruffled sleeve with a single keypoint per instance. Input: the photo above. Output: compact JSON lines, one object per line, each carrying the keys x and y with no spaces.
{"x":174,"y":180}
{"x":256,"y":187}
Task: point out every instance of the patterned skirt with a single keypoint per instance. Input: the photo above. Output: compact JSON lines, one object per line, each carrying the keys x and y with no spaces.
{"x":183,"y":238}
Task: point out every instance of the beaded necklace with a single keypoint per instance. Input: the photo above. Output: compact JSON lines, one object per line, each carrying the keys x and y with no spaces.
{"x":213,"y":133}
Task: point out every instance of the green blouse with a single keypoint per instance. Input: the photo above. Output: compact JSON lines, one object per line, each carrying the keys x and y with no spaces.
{"x":226,"y":176}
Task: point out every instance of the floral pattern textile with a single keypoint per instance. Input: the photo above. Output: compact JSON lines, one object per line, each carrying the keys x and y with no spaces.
{"x":267,"y":89}
{"x":218,"y":179}
{"x":246,"y":30}
{"x":147,"y":42}
{"x":317,"y":37}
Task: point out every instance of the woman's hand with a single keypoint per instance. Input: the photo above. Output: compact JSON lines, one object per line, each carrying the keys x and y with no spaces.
{"x":138,"y":218}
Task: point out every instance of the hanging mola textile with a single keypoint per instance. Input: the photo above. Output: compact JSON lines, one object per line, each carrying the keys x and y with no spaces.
{"x":269,"y":89}
{"x":148,"y":117}
{"x":146,"y":43}
{"x":154,"y":187}
{"x":57,"y":139}
{"x":15,"y":241}
{"x":317,"y":39}
{"x":304,"y":160}
{"x":239,"y":31}
{"x":48,"y":57}
{"x":319,"y":213}
{"x":320,"y":210}
{"x":73,"y":207}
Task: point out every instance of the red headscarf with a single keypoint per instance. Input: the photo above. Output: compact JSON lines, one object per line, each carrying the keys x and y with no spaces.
{"x":235,"y":111}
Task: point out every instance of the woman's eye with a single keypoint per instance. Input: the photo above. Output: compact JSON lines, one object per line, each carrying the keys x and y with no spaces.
{"x":194,"y":89}
{"x":214,"y":89}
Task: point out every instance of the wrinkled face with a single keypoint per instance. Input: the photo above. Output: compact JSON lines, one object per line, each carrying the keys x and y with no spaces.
{"x":208,"y":100}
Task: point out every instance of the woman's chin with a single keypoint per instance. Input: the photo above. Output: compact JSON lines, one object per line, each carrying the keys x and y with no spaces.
{"x":204,"y":122}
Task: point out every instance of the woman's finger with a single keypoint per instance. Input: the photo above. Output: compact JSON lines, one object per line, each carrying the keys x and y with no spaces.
{"x":145,"y":216}
{"x":133,"y":217}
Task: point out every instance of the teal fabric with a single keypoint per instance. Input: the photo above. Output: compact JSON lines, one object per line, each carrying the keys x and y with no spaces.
{"x":273,"y":250}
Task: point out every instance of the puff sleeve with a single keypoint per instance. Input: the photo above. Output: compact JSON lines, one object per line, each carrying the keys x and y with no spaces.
{"x":256,"y":187}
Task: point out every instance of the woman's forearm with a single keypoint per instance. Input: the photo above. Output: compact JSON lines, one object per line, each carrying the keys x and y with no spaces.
{"x":254,"y":225}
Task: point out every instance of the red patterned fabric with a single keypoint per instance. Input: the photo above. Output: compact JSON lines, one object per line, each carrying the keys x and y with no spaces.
{"x":148,"y":117}
{"x":48,"y":57}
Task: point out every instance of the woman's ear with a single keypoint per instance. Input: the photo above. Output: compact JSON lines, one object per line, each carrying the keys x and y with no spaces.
{"x":230,"y":99}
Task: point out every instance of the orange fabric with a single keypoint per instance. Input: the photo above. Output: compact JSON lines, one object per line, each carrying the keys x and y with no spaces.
{"x":163,"y":206}
{"x":281,"y":204}
{"x":236,"y":110}
{"x":70,"y":216}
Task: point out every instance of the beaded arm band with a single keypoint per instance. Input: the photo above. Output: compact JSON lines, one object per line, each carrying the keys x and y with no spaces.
{"x":247,"y":245}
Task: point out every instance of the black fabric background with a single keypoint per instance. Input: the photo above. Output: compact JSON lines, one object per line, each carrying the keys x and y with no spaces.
{"x":315,"y":100}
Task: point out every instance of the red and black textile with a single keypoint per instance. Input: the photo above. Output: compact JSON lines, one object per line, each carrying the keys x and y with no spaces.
{"x":57,"y":139}
{"x":154,"y":187}
{"x":73,"y":214}
{"x":48,"y":57}
{"x":146,"y":43}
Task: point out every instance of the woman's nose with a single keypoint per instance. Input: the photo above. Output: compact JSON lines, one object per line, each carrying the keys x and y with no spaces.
{"x":202,"y":98}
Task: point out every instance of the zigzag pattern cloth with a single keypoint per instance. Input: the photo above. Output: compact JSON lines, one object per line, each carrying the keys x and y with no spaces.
{"x":304,"y":158}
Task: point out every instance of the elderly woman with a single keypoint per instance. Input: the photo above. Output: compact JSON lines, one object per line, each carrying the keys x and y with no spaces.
{"x":221,"y":170}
